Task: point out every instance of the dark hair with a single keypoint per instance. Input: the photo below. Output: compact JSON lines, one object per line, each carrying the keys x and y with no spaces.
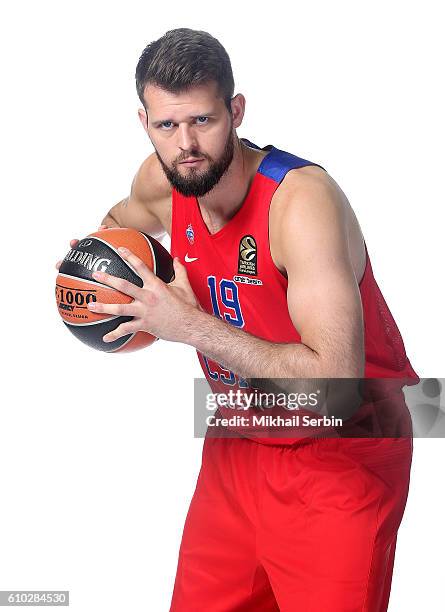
{"x":183,"y":58}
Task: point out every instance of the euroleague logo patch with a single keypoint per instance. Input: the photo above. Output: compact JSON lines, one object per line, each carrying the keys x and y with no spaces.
{"x":247,"y":258}
{"x":189,"y":232}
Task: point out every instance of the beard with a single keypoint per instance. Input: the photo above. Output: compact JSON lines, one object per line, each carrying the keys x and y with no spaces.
{"x":197,"y":183}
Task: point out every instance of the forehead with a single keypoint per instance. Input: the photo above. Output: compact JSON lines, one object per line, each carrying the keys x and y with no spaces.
{"x":159,"y":100}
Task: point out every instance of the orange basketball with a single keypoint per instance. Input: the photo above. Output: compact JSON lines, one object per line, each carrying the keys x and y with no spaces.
{"x":75,"y":286}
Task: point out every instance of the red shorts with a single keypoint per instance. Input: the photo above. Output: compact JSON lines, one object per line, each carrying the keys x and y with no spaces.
{"x":284,"y":528}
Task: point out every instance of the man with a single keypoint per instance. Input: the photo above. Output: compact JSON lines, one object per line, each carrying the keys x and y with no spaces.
{"x":273,"y":280}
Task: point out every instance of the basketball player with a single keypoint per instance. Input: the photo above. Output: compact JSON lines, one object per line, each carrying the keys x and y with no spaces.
{"x":273,"y":279}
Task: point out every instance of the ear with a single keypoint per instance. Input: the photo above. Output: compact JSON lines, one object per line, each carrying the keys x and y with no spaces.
{"x":143,"y":118}
{"x":238,"y":104}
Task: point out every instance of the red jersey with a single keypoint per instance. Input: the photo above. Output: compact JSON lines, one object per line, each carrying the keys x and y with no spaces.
{"x":234,"y":277}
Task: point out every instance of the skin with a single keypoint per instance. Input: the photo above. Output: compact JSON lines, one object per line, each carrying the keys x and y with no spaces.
{"x":315,"y":242}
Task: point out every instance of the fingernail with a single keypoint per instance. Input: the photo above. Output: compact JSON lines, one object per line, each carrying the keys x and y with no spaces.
{"x":122,"y":249}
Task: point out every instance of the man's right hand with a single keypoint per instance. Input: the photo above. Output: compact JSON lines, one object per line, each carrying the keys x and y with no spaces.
{"x":73,"y":244}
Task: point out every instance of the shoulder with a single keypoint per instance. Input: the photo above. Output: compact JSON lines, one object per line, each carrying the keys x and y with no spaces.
{"x":307,"y":205}
{"x":310,"y":186}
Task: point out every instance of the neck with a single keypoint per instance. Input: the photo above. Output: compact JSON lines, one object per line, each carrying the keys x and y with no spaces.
{"x":228,"y":195}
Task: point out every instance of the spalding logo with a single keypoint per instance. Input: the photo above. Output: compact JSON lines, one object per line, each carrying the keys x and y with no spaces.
{"x":88,"y":260}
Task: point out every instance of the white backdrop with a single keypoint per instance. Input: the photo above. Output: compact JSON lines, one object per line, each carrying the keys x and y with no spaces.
{"x":94,"y":487}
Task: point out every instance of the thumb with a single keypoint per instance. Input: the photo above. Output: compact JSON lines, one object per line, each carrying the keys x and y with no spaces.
{"x":180,"y":270}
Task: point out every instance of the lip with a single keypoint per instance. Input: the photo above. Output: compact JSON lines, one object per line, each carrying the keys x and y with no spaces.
{"x":191,"y":161}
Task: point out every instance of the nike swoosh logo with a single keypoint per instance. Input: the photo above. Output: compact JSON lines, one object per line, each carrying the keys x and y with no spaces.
{"x":188,"y":259}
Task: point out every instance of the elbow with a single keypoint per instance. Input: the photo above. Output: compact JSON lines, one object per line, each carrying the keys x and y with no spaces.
{"x":339,"y":364}
{"x":110,"y":221}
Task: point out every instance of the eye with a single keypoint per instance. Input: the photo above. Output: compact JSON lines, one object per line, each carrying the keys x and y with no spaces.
{"x":166,"y":124}
{"x":202,"y":120}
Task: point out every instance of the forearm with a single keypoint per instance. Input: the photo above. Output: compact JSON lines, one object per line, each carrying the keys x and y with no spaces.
{"x":248,"y":355}
{"x":265,"y":364}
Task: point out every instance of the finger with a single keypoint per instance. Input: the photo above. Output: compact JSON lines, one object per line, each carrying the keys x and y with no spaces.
{"x":131,"y":327}
{"x":138,"y":265}
{"x":121,"y":310}
{"x":118,"y":283}
{"x":58,"y":264}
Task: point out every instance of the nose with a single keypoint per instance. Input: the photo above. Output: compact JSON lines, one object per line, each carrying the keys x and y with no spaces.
{"x":186,"y":138}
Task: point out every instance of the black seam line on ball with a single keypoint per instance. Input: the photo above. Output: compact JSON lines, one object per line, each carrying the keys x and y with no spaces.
{"x":92,"y":322}
{"x":77,"y":288}
{"x":90,"y":280}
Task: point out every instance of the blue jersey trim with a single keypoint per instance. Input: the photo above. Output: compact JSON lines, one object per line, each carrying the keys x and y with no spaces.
{"x":277,"y":163}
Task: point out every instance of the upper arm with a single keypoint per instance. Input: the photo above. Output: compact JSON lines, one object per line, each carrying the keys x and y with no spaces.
{"x":141,"y":210}
{"x":323,"y":295}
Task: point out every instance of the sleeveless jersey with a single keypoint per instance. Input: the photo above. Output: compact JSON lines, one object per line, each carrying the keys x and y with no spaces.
{"x":234,"y":277}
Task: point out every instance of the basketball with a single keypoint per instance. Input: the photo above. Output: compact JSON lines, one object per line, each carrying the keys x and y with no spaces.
{"x":76,"y":287}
